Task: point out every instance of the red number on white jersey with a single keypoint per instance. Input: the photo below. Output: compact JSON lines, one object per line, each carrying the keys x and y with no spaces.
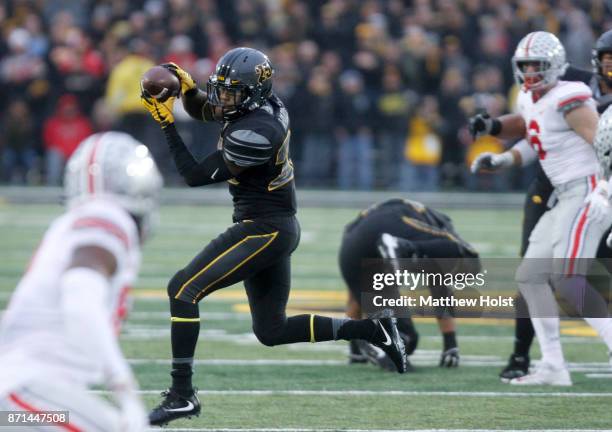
{"x":534,"y":139}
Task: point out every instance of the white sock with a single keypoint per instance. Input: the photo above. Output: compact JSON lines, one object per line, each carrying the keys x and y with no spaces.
{"x":604,"y":329}
{"x":547,"y":331}
{"x":545,"y":318}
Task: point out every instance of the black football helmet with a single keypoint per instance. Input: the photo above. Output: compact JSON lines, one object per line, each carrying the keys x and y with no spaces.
{"x":603,"y":45}
{"x":242,"y":82}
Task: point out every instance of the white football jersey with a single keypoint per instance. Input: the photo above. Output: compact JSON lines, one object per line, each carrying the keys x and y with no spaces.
{"x":563,"y":154}
{"x":32,"y":331}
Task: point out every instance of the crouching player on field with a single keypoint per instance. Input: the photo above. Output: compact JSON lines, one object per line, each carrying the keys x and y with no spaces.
{"x":58,"y":336}
{"x":396,"y":229}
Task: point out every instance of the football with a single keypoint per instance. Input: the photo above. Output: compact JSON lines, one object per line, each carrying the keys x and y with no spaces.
{"x":160,"y":83}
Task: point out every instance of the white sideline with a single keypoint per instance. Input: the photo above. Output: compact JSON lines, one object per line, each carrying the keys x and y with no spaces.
{"x":358,"y":393}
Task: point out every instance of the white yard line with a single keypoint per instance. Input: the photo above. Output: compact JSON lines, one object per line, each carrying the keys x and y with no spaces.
{"x":596,"y":367}
{"x":365,"y":430}
{"x":361,"y":393}
{"x":242,"y":362}
{"x":230,"y":316}
{"x":599,"y":375}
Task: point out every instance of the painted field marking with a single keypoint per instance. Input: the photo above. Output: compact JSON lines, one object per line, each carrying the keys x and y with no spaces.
{"x":596,"y":369}
{"x":361,"y":393}
{"x":363,"y":430}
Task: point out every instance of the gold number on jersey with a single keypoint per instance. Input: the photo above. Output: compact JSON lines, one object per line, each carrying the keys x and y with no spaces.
{"x":282,"y":158}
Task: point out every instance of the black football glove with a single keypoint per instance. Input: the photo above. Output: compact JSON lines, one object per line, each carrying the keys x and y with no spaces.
{"x":482,"y":124}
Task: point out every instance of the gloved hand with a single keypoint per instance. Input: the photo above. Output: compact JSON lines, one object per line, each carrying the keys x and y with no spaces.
{"x":491,"y":161}
{"x":187,"y":82}
{"x":599,"y":205}
{"x":482,"y":124}
{"x":161,"y":112}
{"x":449,"y":358}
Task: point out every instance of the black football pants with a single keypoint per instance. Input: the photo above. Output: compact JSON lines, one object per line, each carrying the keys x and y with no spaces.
{"x":258,"y":253}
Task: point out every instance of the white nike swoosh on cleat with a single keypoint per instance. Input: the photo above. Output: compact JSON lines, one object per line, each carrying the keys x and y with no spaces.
{"x":214,"y":174}
{"x":387,"y":342}
{"x":189,"y":407}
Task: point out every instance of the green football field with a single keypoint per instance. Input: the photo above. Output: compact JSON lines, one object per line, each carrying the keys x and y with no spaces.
{"x":245,"y":385}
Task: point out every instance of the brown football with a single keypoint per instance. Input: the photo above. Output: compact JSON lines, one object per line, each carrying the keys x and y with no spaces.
{"x":160,"y":83}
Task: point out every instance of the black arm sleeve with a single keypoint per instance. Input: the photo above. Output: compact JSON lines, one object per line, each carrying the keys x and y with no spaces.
{"x":211,"y":170}
{"x":195,"y":103}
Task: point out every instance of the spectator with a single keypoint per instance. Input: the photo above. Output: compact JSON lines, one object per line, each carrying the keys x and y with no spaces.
{"x":394,"y":107}
{"x":180,"y":51}
{"x":454,"y":87}
{"x":354,"y":134}
{"x":423,"y":149}
{"x":78,"y":68}
{"x":62,"y":134}
{"x":20,"y":68}
{"x":17,"y":144}
{"x":123,"y":88}
{"x":318,"y":144}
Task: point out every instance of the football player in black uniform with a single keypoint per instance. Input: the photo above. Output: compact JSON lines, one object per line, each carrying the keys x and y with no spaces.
{"x":401,"y":228}
{"x":253,"y":157}
{"x":540,"y":190}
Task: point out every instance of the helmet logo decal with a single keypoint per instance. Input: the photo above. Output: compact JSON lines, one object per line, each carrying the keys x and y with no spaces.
{"x":263,"y":71}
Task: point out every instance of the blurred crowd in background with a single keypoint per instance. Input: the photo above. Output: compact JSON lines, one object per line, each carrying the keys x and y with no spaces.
{"x":379,"y":91}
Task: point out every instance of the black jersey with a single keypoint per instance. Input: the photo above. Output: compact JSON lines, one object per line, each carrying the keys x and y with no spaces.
{"x":402,"y":218}
{"x":404,"y":208}
{"x":260,"y":142}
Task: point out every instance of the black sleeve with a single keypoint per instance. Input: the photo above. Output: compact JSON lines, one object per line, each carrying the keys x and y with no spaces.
{"x":196,"y":105}
{"x":603,"y":103}
{"x":211,"y":170}
{"x":575,"y":74}
{"x":245,"y":147}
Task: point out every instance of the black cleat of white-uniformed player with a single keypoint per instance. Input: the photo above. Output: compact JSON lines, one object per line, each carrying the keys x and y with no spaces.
{"x":174,"y":406}
{"x":388,"y":339}
{"x":518,"y":366}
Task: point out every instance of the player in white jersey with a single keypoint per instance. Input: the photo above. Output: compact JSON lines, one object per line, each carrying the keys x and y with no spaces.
{"x":59,"y":334}
{"x":558,"y":120}
{"x":603,"y":149}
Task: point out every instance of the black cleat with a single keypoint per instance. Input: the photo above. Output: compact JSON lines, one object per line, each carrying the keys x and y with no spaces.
{"x":379,"y":358}
{"x":410,"y":341}
{"x":174,"y":406}
{"x":356,"y":354}
{"x":517,"y":367}
{"x":388,"y":339}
